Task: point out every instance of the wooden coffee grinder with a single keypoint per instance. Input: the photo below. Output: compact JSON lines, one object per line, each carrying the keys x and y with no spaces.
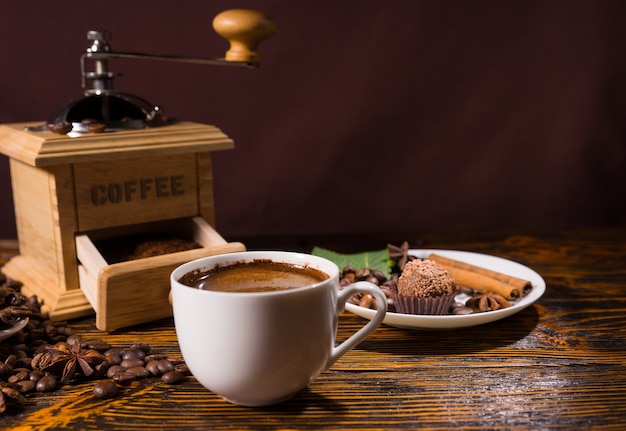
{"x":110,"y":167}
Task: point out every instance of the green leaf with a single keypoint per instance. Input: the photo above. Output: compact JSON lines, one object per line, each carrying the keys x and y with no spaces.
{"x":377,"y":259}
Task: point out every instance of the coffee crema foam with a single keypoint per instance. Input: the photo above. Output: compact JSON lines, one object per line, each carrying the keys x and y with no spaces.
{"x":259,"y":275}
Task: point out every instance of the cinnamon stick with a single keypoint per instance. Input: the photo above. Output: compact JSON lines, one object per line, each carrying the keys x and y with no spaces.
{"x":480,"y":278}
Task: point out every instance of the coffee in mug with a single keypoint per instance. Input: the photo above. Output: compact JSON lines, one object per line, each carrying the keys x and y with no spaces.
{"x":259,"y":275}
{"x":258,"y":344}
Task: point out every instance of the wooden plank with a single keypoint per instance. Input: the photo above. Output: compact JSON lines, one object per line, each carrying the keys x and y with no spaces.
{"x":559,"y":364}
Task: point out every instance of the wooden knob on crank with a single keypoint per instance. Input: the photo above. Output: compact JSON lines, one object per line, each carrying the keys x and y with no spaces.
{"x":244,"y":29}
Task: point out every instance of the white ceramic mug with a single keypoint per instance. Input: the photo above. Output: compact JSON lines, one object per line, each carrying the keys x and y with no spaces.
{"x":261,"y":348}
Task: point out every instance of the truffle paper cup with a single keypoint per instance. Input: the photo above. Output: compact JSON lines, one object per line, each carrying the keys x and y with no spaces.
{"x":261,"y":348}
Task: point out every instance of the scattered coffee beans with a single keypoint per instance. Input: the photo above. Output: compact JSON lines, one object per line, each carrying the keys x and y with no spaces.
{"x":34,"y":360}
{"x":350,"y":275}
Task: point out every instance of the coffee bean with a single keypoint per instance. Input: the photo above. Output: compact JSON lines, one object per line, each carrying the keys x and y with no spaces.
{"x":114,"y":355}
{"x":165,"y":366}
{"x":142,"y":346}
{"x":113,"y":370}
{"x":139,"y":372}
{"x":134,"y":354}
{"x":56,"y":338}
{"x":373,"y":280}
{"x":73,"y":339}
{"x":153,"y":368}
{"x":95,"y":344}
{"x":155,"y":357}
{"x":64,"y":330}
{"x":113,"y":360}
{"x":350,"y":276}
{"x":5,"y":369}
{"x":20,"y":351}
{"x":132,"y":362}
{"x":38,"y":343}
{"x":26,"y":386}
{"x":124,"y":378}
{"x":11,"y":360}
{"x":19,"y":375}
{"x":363,"y":273}
{"x":61,"y":128}
{"x":96,"y":127}
{"x":47,"y":383}
{"x":183,"y":368}
{"x":24,"y":362}
{"x":35,"y":375}
{"x":348,"y":270}
{"x":105,"y":389}
{"x":386,"y":290}
{"x":173,"y":377}
{"x":366,"y":301}
{"x":36,"y":334}
{"x":379,"y":275}
{"x":51,"y":330}
{"x":114,"y":351}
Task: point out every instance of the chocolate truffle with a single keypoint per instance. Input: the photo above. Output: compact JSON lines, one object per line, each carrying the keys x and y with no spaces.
{"x":424,"y":288}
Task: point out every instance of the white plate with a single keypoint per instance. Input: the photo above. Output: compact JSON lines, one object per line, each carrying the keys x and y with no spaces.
{"x":499,"y":264}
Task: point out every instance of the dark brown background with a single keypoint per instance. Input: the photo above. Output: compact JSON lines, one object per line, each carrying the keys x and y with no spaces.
{"x":366,"y":116}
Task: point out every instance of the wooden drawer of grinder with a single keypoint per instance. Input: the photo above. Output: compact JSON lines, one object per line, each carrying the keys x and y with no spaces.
{"x":131,"y":292}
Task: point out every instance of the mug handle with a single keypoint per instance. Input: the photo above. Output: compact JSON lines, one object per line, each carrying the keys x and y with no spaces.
{"x":345,"y":294}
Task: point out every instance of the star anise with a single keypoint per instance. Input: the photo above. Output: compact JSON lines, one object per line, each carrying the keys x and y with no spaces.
{"x":487,"y":301}
{"x":9,"y":394}
{"x":66,"y":361}
{"x":400,"y":254}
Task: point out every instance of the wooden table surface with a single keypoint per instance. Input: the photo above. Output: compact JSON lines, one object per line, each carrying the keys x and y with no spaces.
{"x":559,"y":364}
